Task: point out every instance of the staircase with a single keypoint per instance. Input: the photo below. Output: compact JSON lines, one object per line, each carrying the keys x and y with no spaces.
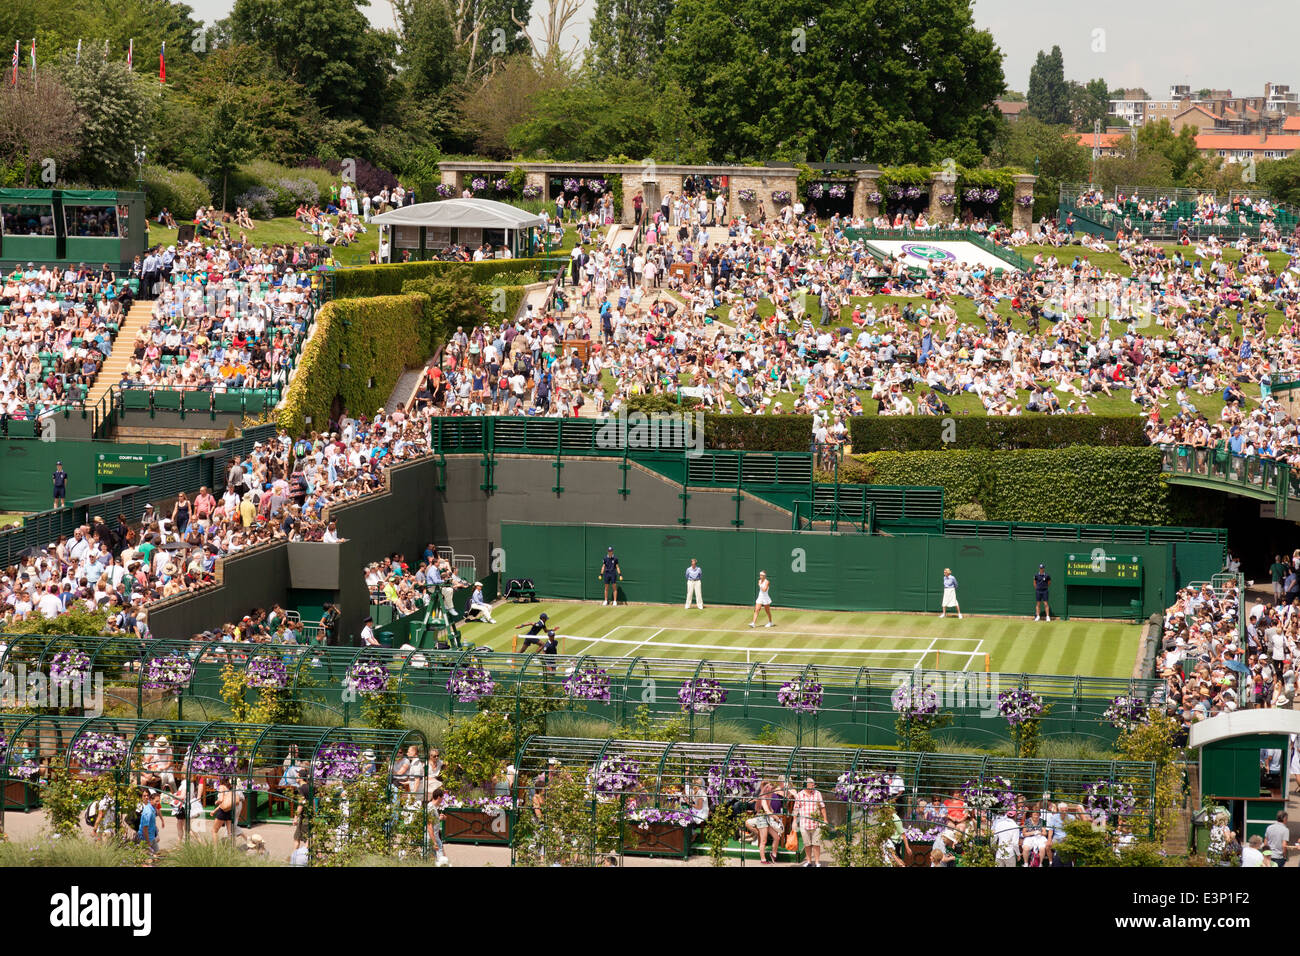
{"x":123,"y":346}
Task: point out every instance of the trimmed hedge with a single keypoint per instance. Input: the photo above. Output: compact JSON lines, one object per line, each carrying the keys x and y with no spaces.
{"x":1081,"y":485}
{"x":378,"y":338}
{"x":389,"y":279}
{"x":926,"y":432}
{"x":758,"y":433}
{"x":180,"y":191}
{"x":498,"y":302}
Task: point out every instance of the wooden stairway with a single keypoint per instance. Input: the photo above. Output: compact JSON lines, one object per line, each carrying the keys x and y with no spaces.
{"x":123,"y":347}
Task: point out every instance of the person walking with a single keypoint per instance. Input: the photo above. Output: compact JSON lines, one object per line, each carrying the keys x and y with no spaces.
{"x":611,"y":574}
{"x":694,"y":588}
{"x":60,"y":485}
{"x":763,"y":601}
{"x":949,"y":594}
{"x":1041,"y":582}
{"x":150,"y":821}
{"x":810,"y":817}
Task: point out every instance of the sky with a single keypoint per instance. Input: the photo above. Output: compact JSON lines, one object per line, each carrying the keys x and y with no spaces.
{"x":1126,"y":42}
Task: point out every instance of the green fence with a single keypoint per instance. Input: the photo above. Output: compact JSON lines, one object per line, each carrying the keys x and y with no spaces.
{"x":847,"y":570}
{"x":1263,"y":479}
{"x":166,"y":479}
{"x":853,"y":704}
{"x":27,"y":466}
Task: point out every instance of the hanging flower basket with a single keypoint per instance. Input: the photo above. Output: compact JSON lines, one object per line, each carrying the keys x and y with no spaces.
{"x":1125,"y":713}
{"x":816,"y":190}
{"x":171,"y":672}
{"x":532,"y":192}
{"x":915,"y":700}
{"x":470,"y":684}
{"x":501,"y":185}
{"x":895,"y":192}
{"x":570,"y":185}
{"x":805,"y":698}
{"x":218,"y":758}
{"x":367,"y":677}
{"x":267,"y":671}
{"x":444,"y":190}
{"x":746,"y":195}
{"x":864,"y":789}
{"x":588,"y":682}
{"x":737,"y":780}
{"x":340,"y":761}
{"x":874,"y":197}
{"x":615,"y":775}
{"x":947,"y":199}
{"x":1019,"y":706}
{"x":992,"y":793}
{"x":972,"y":194}
{"x":71,"y":667}
{"x":991,"y":195}
{"x":596,"y":186}
{"x":1110,"y":796}
{"x":780,"y":196}
{"x":477,"y":184}
{"x":837,"y":190}
{"x":98,"y":752}
{"x":702,"y":696}
{"x":1026,"y":200}
{"x":912,"y":192}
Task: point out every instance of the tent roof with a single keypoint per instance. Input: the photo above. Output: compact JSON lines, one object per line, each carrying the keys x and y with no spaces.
{"x":462,"y":213}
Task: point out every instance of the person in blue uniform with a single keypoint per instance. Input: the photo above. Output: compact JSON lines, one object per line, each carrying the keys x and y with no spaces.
{"x":611,"y":574}
{"x":1042,"y":580}
{"x":60,"y":485}
{"x":535,"y":630}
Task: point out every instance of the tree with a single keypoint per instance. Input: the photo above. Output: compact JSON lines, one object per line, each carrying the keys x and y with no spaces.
{"x":1178,"y":148}
{"x":116,"y":108}
{"x":506,"y":99}
{"x":1054,"y":152}
{"x":428,"y":53}
{"x":863,"y":77}
{"x":39,"y":125}
{"x":327,"y":46}
{"x":549,"y":53}
{"x":484,"y":34}
{"x":627,"y":36}
{"x":590,"y":119}
{"x":226,"y":140}
{"x":1280,"y":177}
{"x":1089,"y":103}
{"x":1049,"y":95}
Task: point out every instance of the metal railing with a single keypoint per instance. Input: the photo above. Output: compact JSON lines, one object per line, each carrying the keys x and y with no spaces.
{"x":1246,"y":474}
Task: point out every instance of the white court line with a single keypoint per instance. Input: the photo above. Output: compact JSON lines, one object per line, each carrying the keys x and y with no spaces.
{"x":732,"y":648}
{"x":925,"y":652}
{"x":642,"y":644}
{"x":746,"y":630}
{"x":590,"y":640}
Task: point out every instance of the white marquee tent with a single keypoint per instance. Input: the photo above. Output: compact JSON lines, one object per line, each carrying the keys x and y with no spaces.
{"x":430,"y":226}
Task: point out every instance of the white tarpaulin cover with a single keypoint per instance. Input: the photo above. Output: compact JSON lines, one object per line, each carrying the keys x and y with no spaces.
{"x":919,"y":252}
{"x":462,"y":214}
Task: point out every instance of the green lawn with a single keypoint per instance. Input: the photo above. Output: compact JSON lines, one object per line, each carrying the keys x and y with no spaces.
{"x":7,"y":519}
{"x":1014,"y":645}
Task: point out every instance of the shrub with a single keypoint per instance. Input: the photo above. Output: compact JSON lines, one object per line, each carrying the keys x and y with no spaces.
{"x":390,"y":279}
{"x":758,"y":433}
{"x":181,"y":192}
{"x":928,"y":432}
{"x":259,"y":201}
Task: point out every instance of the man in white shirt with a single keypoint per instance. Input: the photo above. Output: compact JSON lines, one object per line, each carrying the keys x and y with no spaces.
{"x":1251,"y":854}
{"x":368,"y":638}
{"x":49,"y":605}
{"x":1006,"y":835}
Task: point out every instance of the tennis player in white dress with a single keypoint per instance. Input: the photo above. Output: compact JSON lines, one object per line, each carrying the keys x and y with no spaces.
{"x":763,"y":601}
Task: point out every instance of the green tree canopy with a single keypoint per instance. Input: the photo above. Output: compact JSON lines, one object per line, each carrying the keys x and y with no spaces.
{"x":627,"y":36}
{"x":117,"y":109}
{"x":880,"y":78}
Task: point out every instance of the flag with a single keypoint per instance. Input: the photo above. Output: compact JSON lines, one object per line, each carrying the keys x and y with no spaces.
{"x":33,"y":54}
{"x":130,"y":52}
{"x":162,"y":63}
{"x":78,"y":53}
{"x":13,"y":76}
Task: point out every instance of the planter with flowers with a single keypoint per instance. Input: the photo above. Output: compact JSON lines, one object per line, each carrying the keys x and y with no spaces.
{"x":921,"y":842}
{"x":477,"y":185}
{"x":1025,"y":200}
{"x":659,"y":831}
{"x":170,"y":673}
{"x":22,"y":785}
{"x":781,"y":196}
{"x":501,"y":185}
{"x":478,"y":821}
{"x":747,"y":195}
{"x":1024,"y":711}
{"x":444,"y":190}
{"x":532,"y":192}
{"x":917,"y":706}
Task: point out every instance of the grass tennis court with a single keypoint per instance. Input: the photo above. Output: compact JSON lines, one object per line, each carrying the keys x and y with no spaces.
{"x":1013,"y":645}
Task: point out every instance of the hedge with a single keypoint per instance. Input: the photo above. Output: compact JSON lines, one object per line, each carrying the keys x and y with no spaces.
{"x":378,"y":338}
{"x":179,"y":191}
{"x":758,"y":433}
{"x":927,"y":432}
{"x":389,"y":279}
{"x":1083,"y":485}
{"x":499,"y":302}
